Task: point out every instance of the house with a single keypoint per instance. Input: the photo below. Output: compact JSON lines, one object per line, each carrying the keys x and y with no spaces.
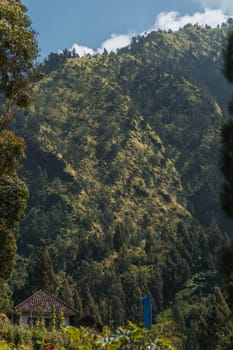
{"x":41,"y":304}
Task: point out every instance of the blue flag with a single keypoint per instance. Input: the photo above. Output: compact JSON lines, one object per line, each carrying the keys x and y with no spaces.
{"x":147,"y":314}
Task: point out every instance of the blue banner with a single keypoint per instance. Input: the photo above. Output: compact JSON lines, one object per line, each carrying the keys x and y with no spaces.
{"x":147,"y":313}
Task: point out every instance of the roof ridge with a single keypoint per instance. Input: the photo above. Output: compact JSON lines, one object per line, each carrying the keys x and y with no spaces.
{"x":50,"y":295}
{"x":28,"y":298}
{"x":59,"y":300}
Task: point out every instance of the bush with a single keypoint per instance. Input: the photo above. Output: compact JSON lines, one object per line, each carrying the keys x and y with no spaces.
{"x":72,"y":338}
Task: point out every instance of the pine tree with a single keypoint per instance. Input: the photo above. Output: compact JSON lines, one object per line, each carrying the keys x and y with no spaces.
{"x":178,"y":317}
{"x":78,"y":303}
{"x":193,"y":334}
{"x":112,"y":299}
{"x":90,"y":308}
{"x":65,"y":292}
{"x":155,"y":284}
{"x":216,"y":318}
{"x":133,"y":298}
{"x":42,"y":275}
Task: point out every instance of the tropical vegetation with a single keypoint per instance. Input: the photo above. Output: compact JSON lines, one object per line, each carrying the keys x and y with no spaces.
{"x":122,"y":170}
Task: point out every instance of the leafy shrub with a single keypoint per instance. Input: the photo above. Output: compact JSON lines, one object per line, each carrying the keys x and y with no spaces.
{"x":72,"y":338}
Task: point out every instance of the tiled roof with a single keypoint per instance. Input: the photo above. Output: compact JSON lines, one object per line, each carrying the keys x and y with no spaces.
{"x":42,"y":302}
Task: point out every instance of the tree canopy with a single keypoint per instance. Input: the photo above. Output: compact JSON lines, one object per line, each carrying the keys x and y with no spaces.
{"x":122,"y":164}
{"x":227,"y":133}
{"x":18,"y":52}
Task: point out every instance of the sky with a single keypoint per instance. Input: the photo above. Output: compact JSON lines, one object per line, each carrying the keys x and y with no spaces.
{"x":89,"y":26}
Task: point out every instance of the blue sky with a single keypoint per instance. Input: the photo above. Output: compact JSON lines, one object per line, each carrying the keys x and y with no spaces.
{"x":95,"y":24}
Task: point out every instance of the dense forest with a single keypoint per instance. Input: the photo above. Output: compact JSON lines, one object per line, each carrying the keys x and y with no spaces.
{"x":122,"y":168}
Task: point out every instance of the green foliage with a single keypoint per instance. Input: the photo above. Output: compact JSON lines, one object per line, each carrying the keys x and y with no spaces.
{"x":61,"y":320}
{"x":12,"y":153}
{"x":13,"y":195}
{"x":52,"y":325}
{"x":18,"y":51}
{"x":42,"y":275}
{"x":197,"y":319}
{"x":122,"y":166}
{"x":72,"y":338}
{"x":226,"y":267}
{"x":4,"y":345}
{"x":7,"y":253}
{"x":227,"y":55}
{"x":227,"y":167}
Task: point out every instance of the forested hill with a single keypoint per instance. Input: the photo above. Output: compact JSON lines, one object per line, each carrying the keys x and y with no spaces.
{"x":122,"y":169}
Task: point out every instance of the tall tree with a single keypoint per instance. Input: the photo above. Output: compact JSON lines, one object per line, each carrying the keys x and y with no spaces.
{"x":18,"y":51}
{"x":227,"y":166}
{"x":13,"y":199}
{"x":43,"y":276}
{"x":227,"y":134}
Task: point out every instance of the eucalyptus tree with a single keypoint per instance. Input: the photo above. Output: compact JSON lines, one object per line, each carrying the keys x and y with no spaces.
{"x":18,"y":52}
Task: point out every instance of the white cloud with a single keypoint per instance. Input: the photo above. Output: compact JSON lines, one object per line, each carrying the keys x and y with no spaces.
{"x":225,"y":5}
{"x":174,"y":20}
{"x":82,"y":50}
{"x":165,"y":20}
{"x":116,"y":42}
{"x":111,"y":44}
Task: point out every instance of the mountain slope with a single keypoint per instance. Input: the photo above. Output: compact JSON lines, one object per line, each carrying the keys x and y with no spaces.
{"x":122,"y":169}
